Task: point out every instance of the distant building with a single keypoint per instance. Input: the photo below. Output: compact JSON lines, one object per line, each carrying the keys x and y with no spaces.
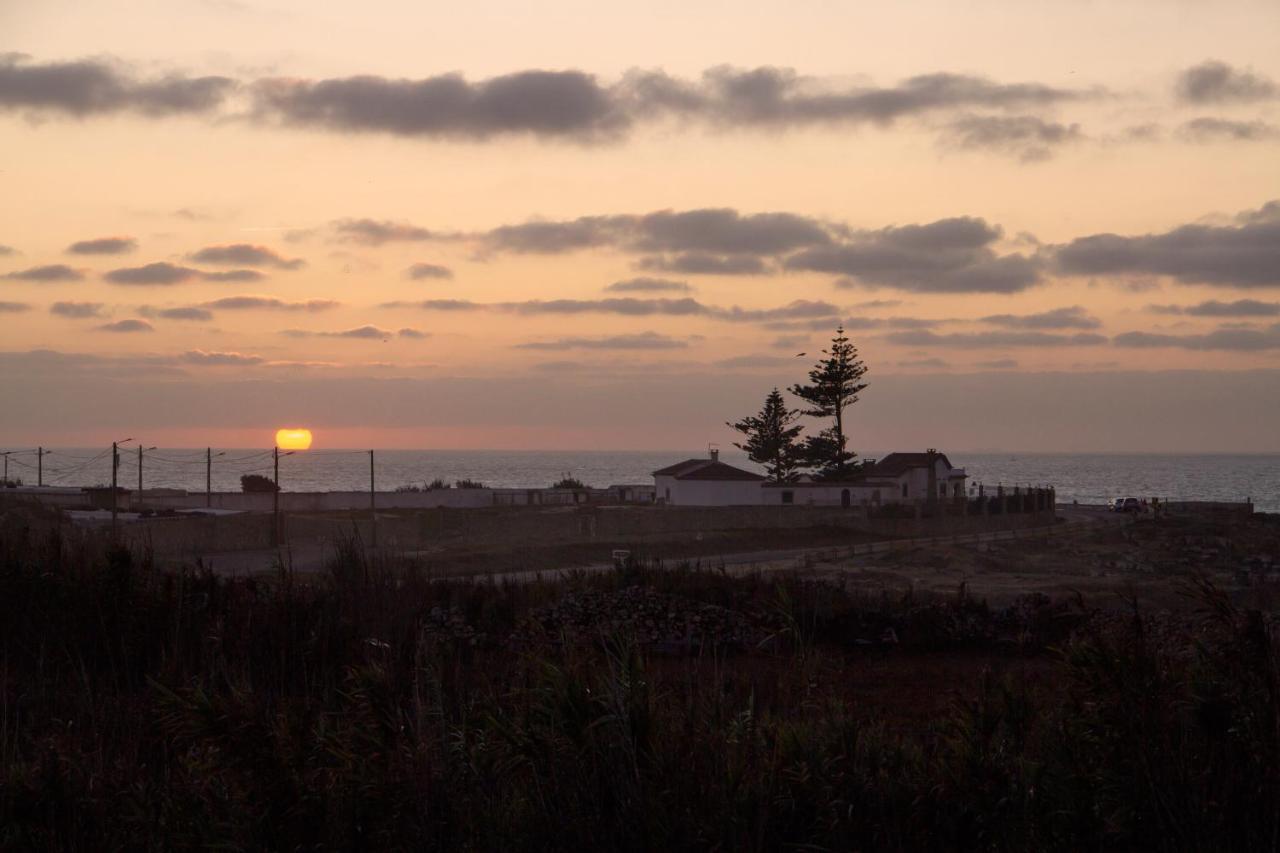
{"x":707,"y":482}
{"x":919,"y":476}
{"x":898,"y":477}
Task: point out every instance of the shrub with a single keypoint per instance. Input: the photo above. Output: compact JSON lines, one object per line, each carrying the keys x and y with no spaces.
{"x":468,"y":484}
{"x":257,"y":483}
{"x":570,"y":483}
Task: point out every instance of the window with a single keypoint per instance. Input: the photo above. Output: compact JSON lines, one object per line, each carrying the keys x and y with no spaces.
{"x":904,"y":490}
{"x":942,"y":490}
{"x":668,"y":493}
{"x":788,"y":497}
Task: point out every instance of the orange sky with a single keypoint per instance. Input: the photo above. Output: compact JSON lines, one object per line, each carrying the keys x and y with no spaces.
{"x":951,"y":219}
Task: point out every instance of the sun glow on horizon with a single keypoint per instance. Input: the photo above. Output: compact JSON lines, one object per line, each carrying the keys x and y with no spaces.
{"x":293,"y":438}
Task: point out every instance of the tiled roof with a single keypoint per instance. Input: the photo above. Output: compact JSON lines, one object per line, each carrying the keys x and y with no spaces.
{"x":705,"y":469}
{"x":897,"y":463}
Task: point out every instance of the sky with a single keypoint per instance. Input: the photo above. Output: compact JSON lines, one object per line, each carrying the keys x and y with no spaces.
{"x":1047,"y":225}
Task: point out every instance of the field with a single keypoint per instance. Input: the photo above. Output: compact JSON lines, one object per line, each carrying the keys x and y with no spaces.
{"x":1118,"y":690}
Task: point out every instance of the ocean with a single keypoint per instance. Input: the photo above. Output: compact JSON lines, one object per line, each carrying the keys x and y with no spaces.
{"x":1084,"y":477}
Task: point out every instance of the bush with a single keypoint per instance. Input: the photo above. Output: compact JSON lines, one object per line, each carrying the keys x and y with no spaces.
{"x":257,"y":483}
{"x":570,"y":483}
{"x":468,"y":484}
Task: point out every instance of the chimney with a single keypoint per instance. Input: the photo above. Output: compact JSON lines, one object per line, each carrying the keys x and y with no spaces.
{"x":715,"y":454}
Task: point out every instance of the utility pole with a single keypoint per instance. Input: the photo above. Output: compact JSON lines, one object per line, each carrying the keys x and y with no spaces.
{"x":275,"y":499}
{"x":39,"y":466}
{"x":115,"y":468}
{"x":6,"y":467}
{"x":208,"y":476}
{"x":139,"y":472}
{"x":373,"y":508}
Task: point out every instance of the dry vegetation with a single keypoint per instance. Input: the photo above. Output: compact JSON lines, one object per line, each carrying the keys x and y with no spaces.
{"x":650,"y":708}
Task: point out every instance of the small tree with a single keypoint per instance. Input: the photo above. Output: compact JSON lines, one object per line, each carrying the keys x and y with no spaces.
{"x":256,"y":483}
{"x":771,"y":438}
{"x":836,"y":382}
{"x":569,"y":483}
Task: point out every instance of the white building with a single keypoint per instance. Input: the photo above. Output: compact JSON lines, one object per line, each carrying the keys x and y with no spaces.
{"x":916,"y":476}
{"x":707,"y":482}
{"x":897,"y":478}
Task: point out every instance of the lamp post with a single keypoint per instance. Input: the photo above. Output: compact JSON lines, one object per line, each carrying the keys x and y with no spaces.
{"x":115,"y":472}
{"x":140,"y":450}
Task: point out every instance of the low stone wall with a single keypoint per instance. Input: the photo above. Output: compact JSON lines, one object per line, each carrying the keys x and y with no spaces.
{"x":513,"y":527}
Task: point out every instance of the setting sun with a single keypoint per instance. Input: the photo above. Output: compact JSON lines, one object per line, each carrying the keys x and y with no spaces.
{"x":293,"y":439}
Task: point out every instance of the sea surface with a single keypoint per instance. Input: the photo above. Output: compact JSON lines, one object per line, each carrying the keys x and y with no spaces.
{"x":1083,"y":477}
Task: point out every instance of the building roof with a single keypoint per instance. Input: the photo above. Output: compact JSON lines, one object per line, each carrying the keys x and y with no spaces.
{"x":898,"y":463}
{"x":705,"y":469}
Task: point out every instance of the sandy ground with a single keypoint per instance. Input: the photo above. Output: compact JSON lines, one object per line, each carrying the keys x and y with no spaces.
{"x":1092,"y":553}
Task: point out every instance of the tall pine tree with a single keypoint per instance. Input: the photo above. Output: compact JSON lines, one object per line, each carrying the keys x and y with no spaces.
{"x":835,"y":383}
{"x":771,"y":438}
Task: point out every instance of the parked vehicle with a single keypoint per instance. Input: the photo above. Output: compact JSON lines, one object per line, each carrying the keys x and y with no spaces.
{"x":1128,"y":505}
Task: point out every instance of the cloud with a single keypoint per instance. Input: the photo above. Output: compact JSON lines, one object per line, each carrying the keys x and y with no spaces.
{"x":368,"y":333}
{"x":14,"y":307}
{"x":220,"y":359}
{"x":7,"y":250}
{"x":798,"y":309}
{"x":1215,"y":82}
{"x":567,"y":105}
{"x":555,"y":104}
{"x":1214,"y":308}
{"x":953,"y":255}
{"x":622,"y":305}
{"x":1228,"y":339}
{"x":649,"y":285}
{"x":160,"y":273}
{"x":245,"y":254}
{"x":372,"y":232}
{"x":76,"y":310}
{"x":701,"y":263}
{"x":633,"y":307}
{"x":1074,"y":317}
{"x":983,"y":340}
{"x":268,"y":303}
{"x":163,"y":273}
{"x":413,"y":334}
{"x":439,"y":305}
{"x":844,"y":284}
{"x":1026,"y":137}
{"x":49,"y":272}
{"x":103,"y":246}
{"x":997,"y":364}
{"x":1243,"y":255}
{"x":233,"y":275}
{"x":718,"y":233}
{"x":420,"y":271}
{"x":779,"y":97}
{"x":1209,"y":129}
{"x":936,"y":363}
{"x":789,"y":341}
{"x":947,"y":256}
{"x":188,"y":312}
{"x":640,"y":341}
{"x":93,"y":87}
{"x":125,"y":326}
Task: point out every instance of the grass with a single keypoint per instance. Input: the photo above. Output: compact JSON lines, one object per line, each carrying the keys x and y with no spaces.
{"x":148,"y":710}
